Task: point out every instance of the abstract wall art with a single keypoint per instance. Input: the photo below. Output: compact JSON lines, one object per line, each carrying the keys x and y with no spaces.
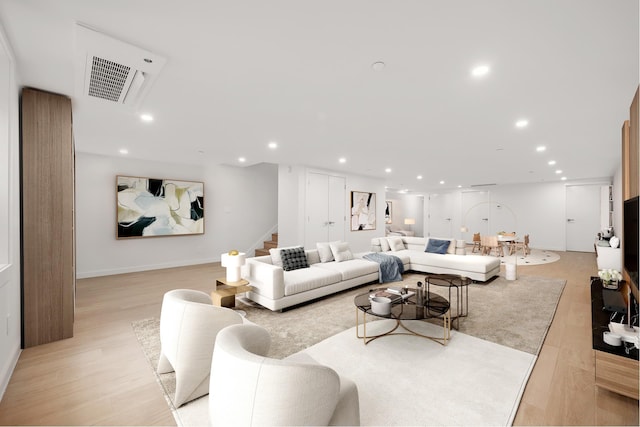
{"x":150,"y":207}
{"x":388,"y":212}
{"x":363,"y":211}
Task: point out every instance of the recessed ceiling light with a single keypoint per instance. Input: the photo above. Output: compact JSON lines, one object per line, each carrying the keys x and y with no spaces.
{"x":342,"y":160}
{"x":541,"y":148}
{"x":378,"y":65}
{"x":441,"y":182}
{"x":242,"y":159}
{"x":388,"y":170}
{"x":564,"y":178}
{"x":459,"y":186}
{"x":480,"y":70}
{"x":273,"y":145}
{"x":419,"y":177}
{"x":551,"y":162}
{"x":559,"y":171}
{"x":146,"y":117}
{"x":523,"y":123}
{"x":124,"y":151}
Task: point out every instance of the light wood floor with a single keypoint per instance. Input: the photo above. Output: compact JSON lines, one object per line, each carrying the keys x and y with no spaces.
{"x":101,"y":377}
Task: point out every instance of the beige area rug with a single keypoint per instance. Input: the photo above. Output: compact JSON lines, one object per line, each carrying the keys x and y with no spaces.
{"x":515,"y":315}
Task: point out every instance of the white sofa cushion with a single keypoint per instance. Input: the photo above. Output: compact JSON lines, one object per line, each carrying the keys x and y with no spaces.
{"x":353,"y":268}
{"x":341,"y":251}
{"x":472,"y":263}
{"x":384,"y":245}
{"x":324,"y":250}
{"x":305,"y":279}
{"x":396,"y":243}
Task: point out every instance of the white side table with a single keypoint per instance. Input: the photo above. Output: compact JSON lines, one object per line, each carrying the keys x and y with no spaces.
{"x":461,"y":247}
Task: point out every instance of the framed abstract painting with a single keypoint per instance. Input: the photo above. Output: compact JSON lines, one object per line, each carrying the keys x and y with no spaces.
{"x":151,"y":207}
{"x":388,"y":212}
{"x":363,"y":211}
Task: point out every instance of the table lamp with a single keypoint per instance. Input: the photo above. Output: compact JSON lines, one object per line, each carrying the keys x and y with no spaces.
{"x":233,"y":261}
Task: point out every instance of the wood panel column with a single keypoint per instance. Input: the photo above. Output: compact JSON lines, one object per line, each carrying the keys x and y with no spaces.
{"x":47,"y":209}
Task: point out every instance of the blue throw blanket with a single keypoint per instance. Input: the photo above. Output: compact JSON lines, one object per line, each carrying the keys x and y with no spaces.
{"x":390,"y":267}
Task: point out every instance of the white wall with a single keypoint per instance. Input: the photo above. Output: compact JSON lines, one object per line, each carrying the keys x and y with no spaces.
{"x":291,"y":205}
{"x":240,"y":208}
{"x":535,"y":209}
{"x":10,"y":313}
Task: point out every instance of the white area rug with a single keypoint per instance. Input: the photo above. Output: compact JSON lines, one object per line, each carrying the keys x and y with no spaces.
{"x":536,"y":257}
{"x":408,"y":380}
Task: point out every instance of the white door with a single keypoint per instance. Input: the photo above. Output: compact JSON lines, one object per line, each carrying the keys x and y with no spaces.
{"x":441,"y":215}
{"x":324,"y":208}
{"x":475,"y":205}
{"x":583,"y":216}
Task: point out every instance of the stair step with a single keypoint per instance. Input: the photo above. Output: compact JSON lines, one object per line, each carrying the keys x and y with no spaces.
{"x":274,"y":237}
{"x":261,"y":252}
{"x":270,"y":244}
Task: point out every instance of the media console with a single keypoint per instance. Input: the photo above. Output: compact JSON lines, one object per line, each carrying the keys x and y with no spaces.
{"x":616,"y":366}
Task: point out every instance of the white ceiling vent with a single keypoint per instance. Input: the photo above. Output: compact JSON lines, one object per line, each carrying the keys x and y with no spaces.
{"x":114,"y":71}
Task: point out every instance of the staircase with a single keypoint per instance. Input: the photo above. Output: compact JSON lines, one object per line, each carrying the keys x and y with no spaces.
{"x":273,"y":243}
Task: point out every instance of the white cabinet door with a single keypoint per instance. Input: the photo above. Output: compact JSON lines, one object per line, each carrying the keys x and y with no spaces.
{"x":583,"y":217}
{"x":324,"y":209}
{"x":475,"y":205}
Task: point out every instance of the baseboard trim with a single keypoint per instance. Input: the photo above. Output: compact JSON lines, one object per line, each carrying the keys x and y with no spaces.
{"x":8,"y":372}
{"x":138,"y":268}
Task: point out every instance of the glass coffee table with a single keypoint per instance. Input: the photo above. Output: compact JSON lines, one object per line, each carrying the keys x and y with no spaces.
{"x":435,"y":306}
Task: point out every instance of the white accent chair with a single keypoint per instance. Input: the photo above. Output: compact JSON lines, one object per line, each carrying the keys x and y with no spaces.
{"x":249,"y":389}
{"x":189,"y":324}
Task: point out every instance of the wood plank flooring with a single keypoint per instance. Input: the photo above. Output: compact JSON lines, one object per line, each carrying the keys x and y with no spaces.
{"x":101,"y":377}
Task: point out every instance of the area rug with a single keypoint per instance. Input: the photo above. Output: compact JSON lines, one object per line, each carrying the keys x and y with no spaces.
{"x":409,"y":381}
{"x":507,"y":315}
{"x":536,"y":257}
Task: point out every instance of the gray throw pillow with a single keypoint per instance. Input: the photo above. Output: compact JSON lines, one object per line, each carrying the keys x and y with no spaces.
{"x":293,"y":259}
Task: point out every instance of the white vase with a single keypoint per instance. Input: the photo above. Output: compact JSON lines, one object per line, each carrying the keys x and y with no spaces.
{"x":614,"y":242}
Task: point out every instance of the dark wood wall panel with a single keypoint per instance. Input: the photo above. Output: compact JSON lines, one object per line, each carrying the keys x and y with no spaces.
{"x":48,"y":277}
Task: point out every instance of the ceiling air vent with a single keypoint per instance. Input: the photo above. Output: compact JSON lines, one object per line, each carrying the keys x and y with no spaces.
{"x":113,"y":70}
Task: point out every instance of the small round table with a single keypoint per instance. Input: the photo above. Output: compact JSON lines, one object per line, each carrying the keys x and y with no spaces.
{"x":461,"y":286}
{"x":404,"y":309}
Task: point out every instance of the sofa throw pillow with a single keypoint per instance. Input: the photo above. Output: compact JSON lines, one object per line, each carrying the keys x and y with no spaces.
{"x":384,"y":244}
{"x":436,"y":246}
{"x":294,"y":259}
{"x":276,"y":259}
{"x":341,"y":251}
{"x":396,"y":244}
{"x":324,"y":250}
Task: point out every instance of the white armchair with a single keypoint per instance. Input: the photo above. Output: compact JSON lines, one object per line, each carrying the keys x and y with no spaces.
{"x":249,"y":389}
{"x":189,"y":324}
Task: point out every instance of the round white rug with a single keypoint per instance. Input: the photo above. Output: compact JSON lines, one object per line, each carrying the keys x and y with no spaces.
{"x":536,"y":257}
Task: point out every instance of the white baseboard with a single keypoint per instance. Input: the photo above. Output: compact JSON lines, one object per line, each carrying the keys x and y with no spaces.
{"x":137,"y":268}
{"x":7,"y":371}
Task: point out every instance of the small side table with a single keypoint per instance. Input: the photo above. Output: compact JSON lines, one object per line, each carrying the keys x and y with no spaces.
{"x":225,"y":293}
{"x":461,"y":247}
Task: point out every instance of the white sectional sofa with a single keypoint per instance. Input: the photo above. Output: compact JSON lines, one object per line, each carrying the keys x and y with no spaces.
{"x":276,"y":289}
{"x":411,"y":251}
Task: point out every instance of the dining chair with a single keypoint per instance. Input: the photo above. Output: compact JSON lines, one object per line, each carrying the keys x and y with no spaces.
{"x":492,"y":244}
{"x":476,"y":243}
{"x":520,"y":245}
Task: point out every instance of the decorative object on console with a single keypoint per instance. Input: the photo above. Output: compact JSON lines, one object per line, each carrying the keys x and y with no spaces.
{"x":410,"y":222}
{"x":610,"y":278}
{"x":363,"y":211}
{"x":233,"y":261}
{"x":614,"y":242}
{"x":149,"y":207}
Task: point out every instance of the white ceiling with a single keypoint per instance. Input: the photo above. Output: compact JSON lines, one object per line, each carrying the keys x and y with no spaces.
{"x":242,"y":73}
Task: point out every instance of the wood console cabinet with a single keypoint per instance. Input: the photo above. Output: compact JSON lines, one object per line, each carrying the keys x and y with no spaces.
{"x":47,"y":210}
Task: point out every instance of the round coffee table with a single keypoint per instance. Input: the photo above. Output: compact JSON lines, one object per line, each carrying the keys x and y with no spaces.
{"x":435,"y":306}
{"x":461,"y":286}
